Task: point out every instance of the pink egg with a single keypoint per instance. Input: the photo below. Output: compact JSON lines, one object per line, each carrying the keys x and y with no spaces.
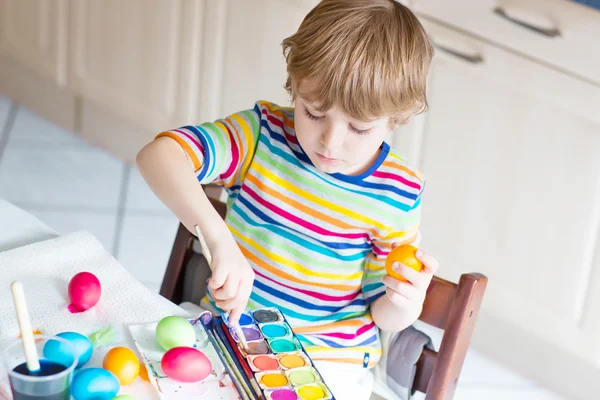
{"x":186,"y":364}
{"x":84,"y":290}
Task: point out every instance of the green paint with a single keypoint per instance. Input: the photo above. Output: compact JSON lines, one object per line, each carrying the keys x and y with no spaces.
{"x":282,"y":346}
{"x":302,"y":378}
{"x":102,"y":337}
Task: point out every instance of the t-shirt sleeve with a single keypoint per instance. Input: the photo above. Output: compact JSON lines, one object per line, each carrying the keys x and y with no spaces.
{"x":406,"y":232}
{"x":220,"y":151}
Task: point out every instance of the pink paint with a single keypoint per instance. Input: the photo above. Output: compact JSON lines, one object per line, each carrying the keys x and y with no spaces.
{"x":284,"y":394}
{"x":84,"y":291}
{"x":73,"y":310}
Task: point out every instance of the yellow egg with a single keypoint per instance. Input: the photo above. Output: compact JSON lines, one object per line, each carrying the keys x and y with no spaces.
{"x":122,"y":362}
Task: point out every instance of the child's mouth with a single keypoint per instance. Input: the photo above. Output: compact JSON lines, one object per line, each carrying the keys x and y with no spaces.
{"x":328,"y":160}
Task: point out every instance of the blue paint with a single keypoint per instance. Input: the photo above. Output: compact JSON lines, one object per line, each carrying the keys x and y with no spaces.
{"x":245,"y":319}
{"x":274,"y":331}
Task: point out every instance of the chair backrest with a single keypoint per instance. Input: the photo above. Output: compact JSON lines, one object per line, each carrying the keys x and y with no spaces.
{"x":448,"y":306}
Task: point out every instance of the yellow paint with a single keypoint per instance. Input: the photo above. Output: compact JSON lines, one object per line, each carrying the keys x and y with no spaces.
{"x":311,"y":393}
{"x":274,"y":380}
{"x":292,"y":361}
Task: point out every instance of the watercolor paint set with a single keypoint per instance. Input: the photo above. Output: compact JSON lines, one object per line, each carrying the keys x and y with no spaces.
{"x":275,"y":366}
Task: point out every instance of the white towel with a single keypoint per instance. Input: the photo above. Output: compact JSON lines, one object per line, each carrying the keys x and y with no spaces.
{"x":45,"y":269}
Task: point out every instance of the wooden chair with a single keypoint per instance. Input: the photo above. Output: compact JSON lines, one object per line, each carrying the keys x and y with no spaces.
{"x":448,"y":306}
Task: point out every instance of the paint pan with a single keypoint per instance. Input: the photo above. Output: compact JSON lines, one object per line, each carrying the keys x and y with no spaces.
{"x":293,"y":360}
{"x":314,"y":391}
{"x":251,"y":332}
{"x":254,"y":348}
{"x":263,"y":362}
{"x":284,"y":345}
{"x":271,"y":379}
{"x":275,"y":330}
{"x":284,"y":393}
{"x":267,"y":315}
{"x":245,"y":319}
{"x":303,"y":376}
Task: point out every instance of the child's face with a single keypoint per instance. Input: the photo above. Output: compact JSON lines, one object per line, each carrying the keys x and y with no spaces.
{"x":335,"y":143}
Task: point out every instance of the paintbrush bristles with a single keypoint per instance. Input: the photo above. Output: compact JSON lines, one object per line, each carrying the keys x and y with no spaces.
{"x":240,"y":334}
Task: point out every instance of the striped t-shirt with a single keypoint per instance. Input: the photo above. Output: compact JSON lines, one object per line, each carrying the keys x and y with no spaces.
{"x":317,"y":242}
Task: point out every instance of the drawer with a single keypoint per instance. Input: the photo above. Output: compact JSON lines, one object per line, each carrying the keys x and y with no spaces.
{"x":559,"y":33}
{"x":505,"y":72}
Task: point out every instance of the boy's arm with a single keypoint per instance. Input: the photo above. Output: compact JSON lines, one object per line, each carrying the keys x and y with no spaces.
{"x":178,"y":162}
{"x":394,"y":304}
{"x":172,"y":178}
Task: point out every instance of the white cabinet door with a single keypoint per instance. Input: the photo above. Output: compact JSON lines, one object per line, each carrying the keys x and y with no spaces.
{"x":243,"y":41}
{"x":34,"y":33}
{"x":511,"y":151}
{"x":138,"y":58}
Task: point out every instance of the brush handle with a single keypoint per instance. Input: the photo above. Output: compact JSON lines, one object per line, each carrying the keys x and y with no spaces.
{"x":204,"y":246}
{"x":235,"y":375}
{"x":31,"y":356}
{"x":244,"y":363}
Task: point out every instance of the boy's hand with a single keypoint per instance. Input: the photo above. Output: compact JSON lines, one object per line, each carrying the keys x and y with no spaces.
{"x":232,"y":279}
{"x":409,"y":296}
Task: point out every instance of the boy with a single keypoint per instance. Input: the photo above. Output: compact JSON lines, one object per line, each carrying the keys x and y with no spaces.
{"x":316,"y":198}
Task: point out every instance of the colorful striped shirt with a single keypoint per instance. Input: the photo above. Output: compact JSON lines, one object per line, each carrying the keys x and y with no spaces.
{"x":317,"y":242}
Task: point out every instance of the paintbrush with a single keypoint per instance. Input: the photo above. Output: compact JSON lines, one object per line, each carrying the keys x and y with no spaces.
{"x":245,"y":368}
{"x":236,"y":327}
{"x":237,"y":378}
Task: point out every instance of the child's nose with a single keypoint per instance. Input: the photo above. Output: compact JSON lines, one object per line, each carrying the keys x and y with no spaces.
{"x":332,"y":138}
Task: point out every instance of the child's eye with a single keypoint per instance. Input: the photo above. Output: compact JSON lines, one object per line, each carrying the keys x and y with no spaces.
{"x":360,"y":131}
{"x":310,"y":116}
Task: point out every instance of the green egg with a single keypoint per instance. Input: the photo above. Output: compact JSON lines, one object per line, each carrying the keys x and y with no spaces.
{"x":123,"y":397}
{"x":175,"y":332}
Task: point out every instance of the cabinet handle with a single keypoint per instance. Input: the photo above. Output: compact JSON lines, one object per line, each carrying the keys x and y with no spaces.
{"x":548,"y":32}
{"x":470,"y":58}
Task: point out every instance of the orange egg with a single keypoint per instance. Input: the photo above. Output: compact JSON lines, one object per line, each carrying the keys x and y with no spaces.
{"x":404,"y":254}
{"x":144,"y":372}
{"x":122,"y":362}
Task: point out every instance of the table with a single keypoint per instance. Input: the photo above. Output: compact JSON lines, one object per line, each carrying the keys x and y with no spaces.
{"x":19,"y":228}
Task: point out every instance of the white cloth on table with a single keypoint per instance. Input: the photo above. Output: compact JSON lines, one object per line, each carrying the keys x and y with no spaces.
{"x":45,"y":269}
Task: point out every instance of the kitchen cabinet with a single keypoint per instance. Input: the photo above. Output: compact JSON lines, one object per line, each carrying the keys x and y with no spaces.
{"x":511,"y":150}
{"x":248,"y":62}
{"x":35,"y":34}
{"x":560,"y":34}
{"x":139,"y":59}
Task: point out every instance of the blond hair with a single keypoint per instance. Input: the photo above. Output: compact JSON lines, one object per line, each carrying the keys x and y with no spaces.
{"x":369,"y":58}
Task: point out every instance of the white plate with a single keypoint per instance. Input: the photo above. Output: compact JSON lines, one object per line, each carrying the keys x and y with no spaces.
{"x":217,"y":386}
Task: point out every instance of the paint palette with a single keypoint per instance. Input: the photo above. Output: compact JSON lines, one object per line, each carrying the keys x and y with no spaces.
{"x":275,"y":366}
